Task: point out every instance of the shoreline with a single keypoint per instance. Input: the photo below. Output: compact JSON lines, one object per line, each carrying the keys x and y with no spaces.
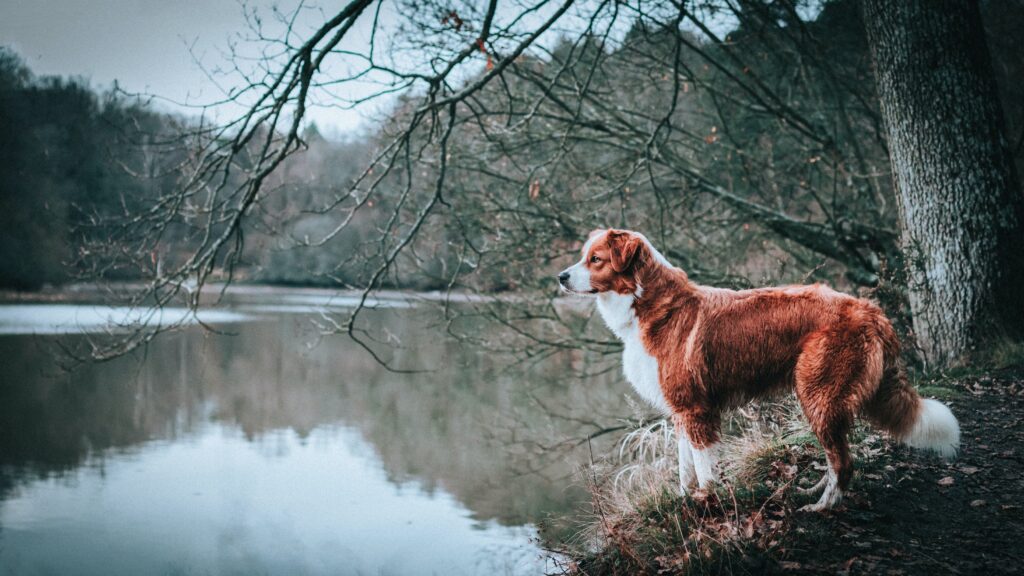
{"x":119,"y":292}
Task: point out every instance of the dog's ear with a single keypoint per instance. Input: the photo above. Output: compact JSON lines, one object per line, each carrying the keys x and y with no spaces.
{"x":626,"y":249}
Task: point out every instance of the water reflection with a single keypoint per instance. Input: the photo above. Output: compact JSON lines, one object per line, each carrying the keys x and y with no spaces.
{"x":259,"y":453}
{"x":77,"y":318}
{"x":221,"y":503}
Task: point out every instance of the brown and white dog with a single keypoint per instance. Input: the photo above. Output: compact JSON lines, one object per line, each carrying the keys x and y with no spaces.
{"x":695,"y":351}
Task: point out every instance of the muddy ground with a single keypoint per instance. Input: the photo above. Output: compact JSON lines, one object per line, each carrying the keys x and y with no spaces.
{"x":910,"y":513}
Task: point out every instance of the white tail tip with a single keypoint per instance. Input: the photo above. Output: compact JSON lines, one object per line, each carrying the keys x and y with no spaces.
{"x":936,"y":429}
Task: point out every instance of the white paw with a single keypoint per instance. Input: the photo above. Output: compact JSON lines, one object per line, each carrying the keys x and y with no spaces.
{"x":705,"y":464}
{"x":832,"y":496}
{"x":813,"y":490}
{"x":816,"y":507}
{"x":709,"y":483}
{"x":686,"y":485}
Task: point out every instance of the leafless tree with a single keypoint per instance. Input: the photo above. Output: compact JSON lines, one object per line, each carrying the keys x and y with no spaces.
{"x":743,"y":136}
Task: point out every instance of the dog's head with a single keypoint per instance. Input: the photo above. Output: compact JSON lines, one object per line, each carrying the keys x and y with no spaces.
{"x":609,"y":263}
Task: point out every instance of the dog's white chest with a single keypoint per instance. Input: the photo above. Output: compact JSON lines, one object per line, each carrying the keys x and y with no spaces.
{"x":639,"y":367}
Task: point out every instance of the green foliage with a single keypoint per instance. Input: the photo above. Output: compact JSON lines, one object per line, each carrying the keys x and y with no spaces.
{"x":1004,"y":353}
{"x":939,"y":392}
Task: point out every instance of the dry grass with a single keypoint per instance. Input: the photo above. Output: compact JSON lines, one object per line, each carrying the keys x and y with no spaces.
{"x":641,"y":525}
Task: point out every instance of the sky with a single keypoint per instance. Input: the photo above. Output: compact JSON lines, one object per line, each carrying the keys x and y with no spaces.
{"x":161,"y":48}
{"x":147,"y":46}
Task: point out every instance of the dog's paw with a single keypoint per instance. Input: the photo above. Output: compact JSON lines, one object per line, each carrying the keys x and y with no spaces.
{"x":813,"y":490}
{"x":829,"y":499}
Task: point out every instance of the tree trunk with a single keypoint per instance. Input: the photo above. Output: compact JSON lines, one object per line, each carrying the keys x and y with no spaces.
{"x":961,"y":208}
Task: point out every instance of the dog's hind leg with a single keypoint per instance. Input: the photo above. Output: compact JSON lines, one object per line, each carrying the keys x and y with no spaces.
{"x":817,"y":488}
{"x":833,"y":492}
{"x":831,"y":432}
{"x":836,"y":370}
{"x":836,"y":479}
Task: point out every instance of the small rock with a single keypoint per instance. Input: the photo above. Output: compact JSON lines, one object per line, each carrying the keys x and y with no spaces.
{"x":947,"y":481}
{"x":977,"y":503}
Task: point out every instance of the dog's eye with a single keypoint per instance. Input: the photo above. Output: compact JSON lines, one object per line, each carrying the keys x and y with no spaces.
{"x":594,"y":259}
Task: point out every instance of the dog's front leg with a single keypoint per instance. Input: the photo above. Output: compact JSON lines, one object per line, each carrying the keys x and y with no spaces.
{"x":702,"y":432}
{"x":687,"y":471}
{"x":705,"y":463}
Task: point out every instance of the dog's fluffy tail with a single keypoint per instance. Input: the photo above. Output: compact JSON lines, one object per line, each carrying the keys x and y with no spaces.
{"x":898,"y":409}
{"x":934,"y":429}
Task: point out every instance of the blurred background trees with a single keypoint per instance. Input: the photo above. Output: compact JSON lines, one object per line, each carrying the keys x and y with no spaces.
{"x":744,"y":137}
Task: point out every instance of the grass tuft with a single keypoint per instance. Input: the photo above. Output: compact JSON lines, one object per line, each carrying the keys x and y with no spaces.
{"x":939,"y":392}
{"x":1005,"y":353}
{"x":640,"y":524}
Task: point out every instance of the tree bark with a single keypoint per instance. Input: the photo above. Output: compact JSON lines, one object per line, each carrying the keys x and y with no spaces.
{"x":960,"y":204}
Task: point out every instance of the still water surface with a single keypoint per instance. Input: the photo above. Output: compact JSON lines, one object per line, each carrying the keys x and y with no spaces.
{"x":273,"y":451}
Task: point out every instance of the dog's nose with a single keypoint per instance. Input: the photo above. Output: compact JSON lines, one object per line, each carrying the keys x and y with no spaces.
{"x":563,"y":278}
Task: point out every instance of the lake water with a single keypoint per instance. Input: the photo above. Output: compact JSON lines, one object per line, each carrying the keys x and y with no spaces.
{"x":275,"y":451}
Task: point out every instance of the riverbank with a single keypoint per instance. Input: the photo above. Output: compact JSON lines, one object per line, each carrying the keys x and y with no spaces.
{"x":907,"y":513}
{"x":116,"y":293}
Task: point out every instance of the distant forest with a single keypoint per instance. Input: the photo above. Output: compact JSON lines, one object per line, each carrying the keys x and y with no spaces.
{"x":74,"y":161}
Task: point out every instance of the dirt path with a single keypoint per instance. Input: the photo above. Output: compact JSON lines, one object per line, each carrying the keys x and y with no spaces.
{"x":918,"y":515}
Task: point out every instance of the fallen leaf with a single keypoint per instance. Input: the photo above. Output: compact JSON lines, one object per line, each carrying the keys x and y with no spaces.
{"x":534,"y":189}
{"x":969,"y":470}
{"x":977,"y":503}
{"x":947,"y":481}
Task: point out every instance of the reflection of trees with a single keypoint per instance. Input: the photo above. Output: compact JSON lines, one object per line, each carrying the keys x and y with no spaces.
{"x":470,"y":427}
